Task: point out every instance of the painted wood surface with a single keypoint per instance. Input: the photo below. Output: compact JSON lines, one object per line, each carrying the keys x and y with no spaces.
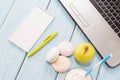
{"x":107,"y":73}
{"x":5,"y":7}
{"x":11,"y":57}
{"x":14,"y":65}
{"x":36,"y":67}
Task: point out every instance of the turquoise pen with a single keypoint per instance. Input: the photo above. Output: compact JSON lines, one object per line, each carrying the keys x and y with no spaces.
{"x":46,"y":41}
{"x":98,"y":64}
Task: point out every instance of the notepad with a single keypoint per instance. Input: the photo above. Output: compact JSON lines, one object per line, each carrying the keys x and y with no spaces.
{"x":31,"y":29}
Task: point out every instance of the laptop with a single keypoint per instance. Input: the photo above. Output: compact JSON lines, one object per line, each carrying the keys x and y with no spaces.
{"x":100,"y":22}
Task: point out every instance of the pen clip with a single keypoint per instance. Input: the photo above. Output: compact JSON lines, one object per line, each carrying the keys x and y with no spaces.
{"x":47,"y":37}
{"x":51,"y":35}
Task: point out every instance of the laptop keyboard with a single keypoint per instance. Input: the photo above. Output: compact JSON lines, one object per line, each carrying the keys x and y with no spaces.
{"x":110,"y":10}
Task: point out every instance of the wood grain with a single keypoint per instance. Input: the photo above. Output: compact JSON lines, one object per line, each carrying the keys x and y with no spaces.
{"x":11,"y":57}
{"x":5,"y":7}
{"x":107,"y":73}
{"x":36,"y":67}
{"x":14,"y":65}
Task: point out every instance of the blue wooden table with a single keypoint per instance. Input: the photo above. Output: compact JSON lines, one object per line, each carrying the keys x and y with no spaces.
{"x":14,"y":65}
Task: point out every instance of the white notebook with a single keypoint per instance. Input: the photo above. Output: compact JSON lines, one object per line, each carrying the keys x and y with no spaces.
{"x":31,"y":29}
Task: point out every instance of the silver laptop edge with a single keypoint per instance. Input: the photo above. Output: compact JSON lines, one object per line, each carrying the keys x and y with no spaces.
{"x":95,"y":27}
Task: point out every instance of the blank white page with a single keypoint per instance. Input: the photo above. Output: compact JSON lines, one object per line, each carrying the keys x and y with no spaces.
{"x":31,"y":29}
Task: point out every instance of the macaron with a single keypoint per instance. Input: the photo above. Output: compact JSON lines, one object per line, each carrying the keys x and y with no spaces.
{"x":62,"y":64}
{"x":52,"y":55}
{"x":66,"y":48}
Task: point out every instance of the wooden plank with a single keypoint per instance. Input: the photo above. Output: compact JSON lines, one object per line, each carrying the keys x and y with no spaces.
{"x":107,"y":73}
{"x":78,"y":37}
{"x":36,"y":67}
{"x":5,"y":7}
{"x":11,"y":57}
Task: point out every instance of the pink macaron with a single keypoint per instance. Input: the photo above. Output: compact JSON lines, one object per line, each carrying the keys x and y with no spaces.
{"x":66,"y":48}
{"x":62,"y":64}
